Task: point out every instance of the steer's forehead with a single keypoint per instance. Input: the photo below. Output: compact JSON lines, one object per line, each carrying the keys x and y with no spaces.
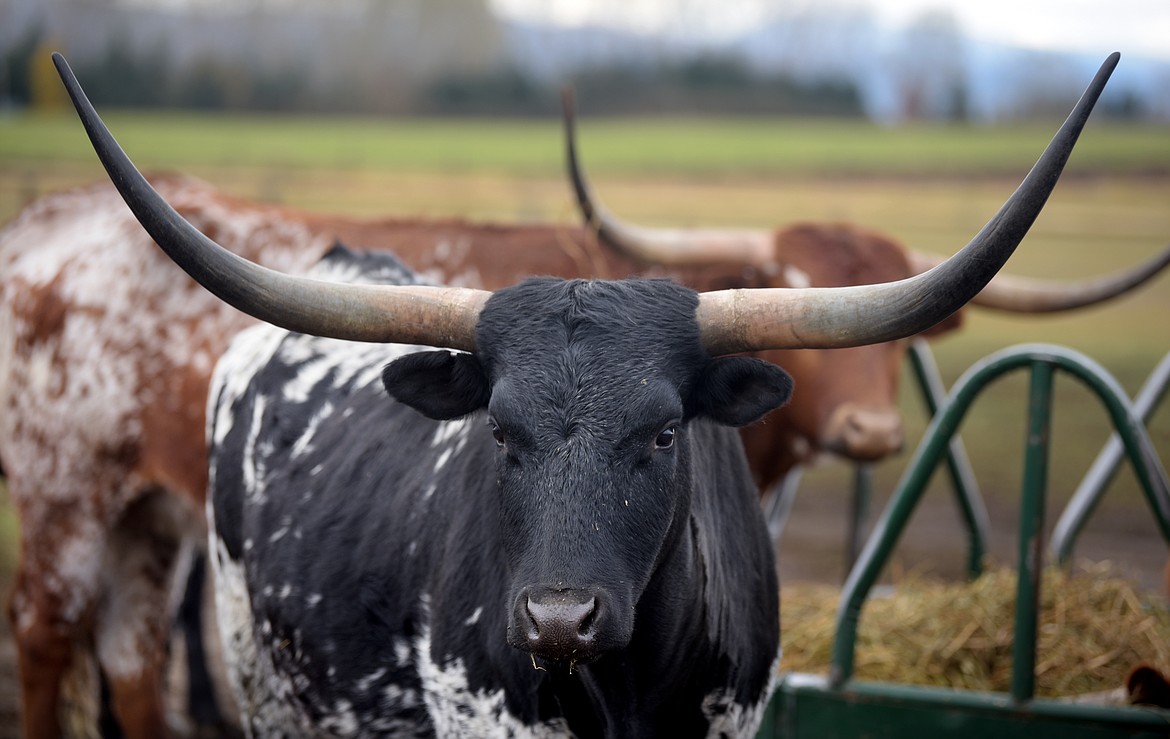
{"x":584,"y":350}
{"x":599,"y":324}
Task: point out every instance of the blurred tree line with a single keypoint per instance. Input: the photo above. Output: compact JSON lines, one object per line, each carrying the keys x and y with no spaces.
{"x":437,"y":57}
{"x":708,"y":84}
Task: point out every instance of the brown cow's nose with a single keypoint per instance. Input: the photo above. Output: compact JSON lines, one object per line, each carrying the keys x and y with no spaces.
{"x":864,"y":433}
{"x":562,"y":624}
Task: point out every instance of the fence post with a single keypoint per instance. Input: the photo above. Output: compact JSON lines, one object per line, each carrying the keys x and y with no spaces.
{"x":1031,"y":547}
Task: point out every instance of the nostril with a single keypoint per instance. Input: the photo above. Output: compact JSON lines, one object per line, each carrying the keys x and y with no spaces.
{"x":585,"y":624}
{"x":532,"y":622}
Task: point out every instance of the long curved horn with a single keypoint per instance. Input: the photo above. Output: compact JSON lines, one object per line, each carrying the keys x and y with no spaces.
{"x":412,"y":314}
{"x":660,"y":246}
{"x":1033,"y":295}
{"x":773,"y":318}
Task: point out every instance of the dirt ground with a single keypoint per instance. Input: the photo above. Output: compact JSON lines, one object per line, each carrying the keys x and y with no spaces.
{"x":813,"y":549}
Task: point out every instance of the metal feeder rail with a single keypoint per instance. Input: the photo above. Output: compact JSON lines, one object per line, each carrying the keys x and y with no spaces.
{"x":837,"y":705}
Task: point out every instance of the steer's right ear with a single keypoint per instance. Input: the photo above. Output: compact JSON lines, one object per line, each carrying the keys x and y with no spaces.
{"x":438,"y":384}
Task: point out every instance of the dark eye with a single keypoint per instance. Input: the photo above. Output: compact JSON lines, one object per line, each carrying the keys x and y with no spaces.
{"x":497,"y":433}
{"x":665,"y":438}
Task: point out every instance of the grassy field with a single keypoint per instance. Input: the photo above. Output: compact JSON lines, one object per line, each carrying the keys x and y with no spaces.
{"x":930,"y":187}
{"x":672,"y":147}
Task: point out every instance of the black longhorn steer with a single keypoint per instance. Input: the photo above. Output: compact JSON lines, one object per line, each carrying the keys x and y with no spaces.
{"x":588,"y":561}
{"x":578,"y":487}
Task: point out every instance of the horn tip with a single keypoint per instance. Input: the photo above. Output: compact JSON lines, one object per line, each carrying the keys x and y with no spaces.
{"x":1110,"y":63}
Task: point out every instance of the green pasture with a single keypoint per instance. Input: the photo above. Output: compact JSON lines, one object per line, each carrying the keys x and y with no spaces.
{"x":932,"y":187}
{"x":673,"y":147}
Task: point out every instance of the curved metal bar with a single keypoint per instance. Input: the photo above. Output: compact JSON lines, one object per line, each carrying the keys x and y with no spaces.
{"x":1088,"y":494}
{"x":971,"y":505}
{"x":1147,"y":467}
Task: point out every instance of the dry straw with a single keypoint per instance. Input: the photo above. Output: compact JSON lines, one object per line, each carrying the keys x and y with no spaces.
{"x":1094,"y":626}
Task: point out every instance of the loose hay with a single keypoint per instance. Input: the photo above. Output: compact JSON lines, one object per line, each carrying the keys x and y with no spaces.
{"x":1093,"y":627}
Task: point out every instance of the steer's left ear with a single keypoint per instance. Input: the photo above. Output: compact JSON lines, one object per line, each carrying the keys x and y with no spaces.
{"x":438,"y":384}
{"x":736,"y":391}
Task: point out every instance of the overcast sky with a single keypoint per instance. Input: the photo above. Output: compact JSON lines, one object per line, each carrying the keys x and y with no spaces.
{"x":1129,"y":26}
